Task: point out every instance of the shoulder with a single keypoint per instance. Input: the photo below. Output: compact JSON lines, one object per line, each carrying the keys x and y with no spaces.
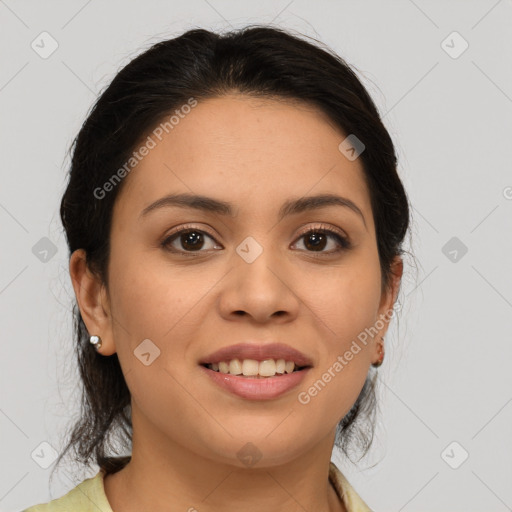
{"x":87,"y":495}
{"x":352,"y":501}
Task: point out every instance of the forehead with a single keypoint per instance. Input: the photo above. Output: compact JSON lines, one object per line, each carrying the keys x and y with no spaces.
{"x":255,"y":152}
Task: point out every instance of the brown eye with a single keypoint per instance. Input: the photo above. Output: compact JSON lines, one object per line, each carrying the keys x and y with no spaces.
{"x":187,"y":240}
{"x":316,"y":240}
{"x":191,"y":240}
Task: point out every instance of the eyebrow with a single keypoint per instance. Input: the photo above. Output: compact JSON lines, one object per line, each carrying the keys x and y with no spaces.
{"x":290,"y":207}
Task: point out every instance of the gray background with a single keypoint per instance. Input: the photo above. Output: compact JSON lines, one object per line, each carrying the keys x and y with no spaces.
{"x":446,"y":377}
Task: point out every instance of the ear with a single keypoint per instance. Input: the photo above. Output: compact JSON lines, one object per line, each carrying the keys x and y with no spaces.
{"x":388,"y":299}
{"x":93,"y":301}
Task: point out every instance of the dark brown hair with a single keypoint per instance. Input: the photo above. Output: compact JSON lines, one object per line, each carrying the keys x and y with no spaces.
{"x":257,"y":60}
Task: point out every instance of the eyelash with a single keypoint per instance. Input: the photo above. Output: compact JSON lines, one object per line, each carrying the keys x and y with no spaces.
{"x":343,"y":242}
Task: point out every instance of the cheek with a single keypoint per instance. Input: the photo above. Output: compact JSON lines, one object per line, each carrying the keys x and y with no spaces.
{"x":345,"y":300}
{"x":151,"y":297}
{"x":345,"y":359}
{"x":345,"y":304}
{"x":153,"y":301}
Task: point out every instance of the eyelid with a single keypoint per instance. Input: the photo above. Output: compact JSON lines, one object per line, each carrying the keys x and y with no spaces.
{"x":323,"y":227}
{"x":189,"y":227}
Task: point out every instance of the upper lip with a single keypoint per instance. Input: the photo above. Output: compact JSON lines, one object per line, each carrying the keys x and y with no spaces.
{"x":259,"y":353}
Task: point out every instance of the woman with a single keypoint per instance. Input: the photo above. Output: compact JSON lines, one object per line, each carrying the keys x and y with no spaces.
{"x":235,"y":221}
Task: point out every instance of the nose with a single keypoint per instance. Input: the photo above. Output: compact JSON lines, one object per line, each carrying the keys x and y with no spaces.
{"x":261,"y":290}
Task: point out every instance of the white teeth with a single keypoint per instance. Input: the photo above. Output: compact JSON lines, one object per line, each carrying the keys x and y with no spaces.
{"x":289,"y":367}
{"x":250,"y":367}
{"x":235,"y":367}
{"x":253,"y":368}
{"x":267,"y":368}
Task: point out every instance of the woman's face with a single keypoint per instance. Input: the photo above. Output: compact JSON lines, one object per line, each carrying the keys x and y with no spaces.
{"x":252,"y":276}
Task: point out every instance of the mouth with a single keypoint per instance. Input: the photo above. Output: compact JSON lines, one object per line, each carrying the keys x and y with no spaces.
{"x":252,"y":359}
{"x":253,"y":369}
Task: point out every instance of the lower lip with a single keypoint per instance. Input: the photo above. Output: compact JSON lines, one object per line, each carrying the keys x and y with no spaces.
{"x":257,"y":388}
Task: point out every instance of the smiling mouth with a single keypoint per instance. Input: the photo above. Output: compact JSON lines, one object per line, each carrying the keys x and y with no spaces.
{"x":253,"y":369}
